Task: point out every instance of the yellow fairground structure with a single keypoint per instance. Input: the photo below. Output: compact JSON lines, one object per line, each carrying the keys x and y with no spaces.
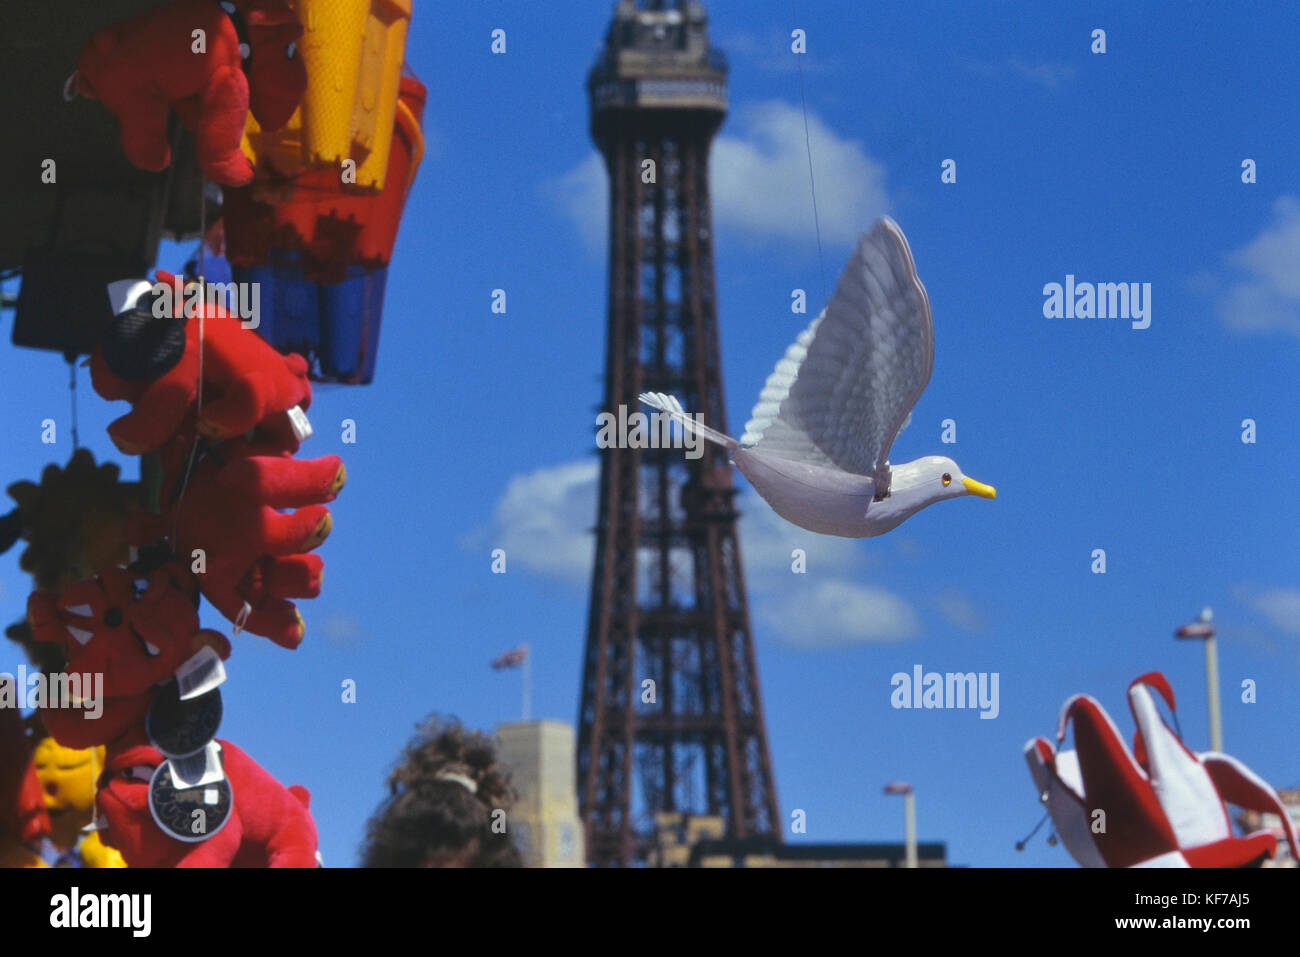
{"x":353,"y":52}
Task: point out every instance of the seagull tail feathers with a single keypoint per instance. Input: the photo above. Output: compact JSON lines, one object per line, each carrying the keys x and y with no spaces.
{"x":669,"y":405}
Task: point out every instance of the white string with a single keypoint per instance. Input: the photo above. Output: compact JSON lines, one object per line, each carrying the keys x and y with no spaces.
{"x":203,"y":288}
{"x":808,"y":146}
{"x":203,"y":309}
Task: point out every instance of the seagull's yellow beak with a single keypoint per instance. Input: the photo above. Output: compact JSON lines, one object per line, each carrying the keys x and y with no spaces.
{"x":979,"y":488}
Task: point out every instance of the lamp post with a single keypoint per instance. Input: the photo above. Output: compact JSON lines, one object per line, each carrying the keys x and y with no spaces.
{"x":1202,"y":630}
{"x":528,"y":684}
{"x":909,"y":817}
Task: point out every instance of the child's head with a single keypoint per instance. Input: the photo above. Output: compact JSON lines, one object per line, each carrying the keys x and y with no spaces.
{"x":441,"y":808}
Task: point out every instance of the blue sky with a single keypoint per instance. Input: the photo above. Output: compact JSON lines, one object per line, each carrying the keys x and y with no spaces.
{"x":478,"y":431}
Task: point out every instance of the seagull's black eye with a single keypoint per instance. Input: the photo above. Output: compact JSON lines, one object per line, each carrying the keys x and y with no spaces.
{"x":947,"y":479}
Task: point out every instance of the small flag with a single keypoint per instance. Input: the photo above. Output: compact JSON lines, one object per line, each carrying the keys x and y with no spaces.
{"x":511,"y":659}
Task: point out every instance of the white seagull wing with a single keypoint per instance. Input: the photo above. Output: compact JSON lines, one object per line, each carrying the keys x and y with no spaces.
{"x":846,"y":387}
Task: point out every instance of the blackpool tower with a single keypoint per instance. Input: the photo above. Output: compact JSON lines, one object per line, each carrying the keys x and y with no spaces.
{"x":671,"y":718}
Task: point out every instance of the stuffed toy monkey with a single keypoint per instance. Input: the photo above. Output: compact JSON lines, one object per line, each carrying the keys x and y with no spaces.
{"x":250,"y":559}
{"x":135,"y":637}
{"x":269,"y":824}
{"x":187,"y":55}
{"x":277,"y":76}
{"x":247,"y":384}
{"x":220,"y":506}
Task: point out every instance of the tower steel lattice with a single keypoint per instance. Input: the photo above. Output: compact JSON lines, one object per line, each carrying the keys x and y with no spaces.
{"x":671,"y":718}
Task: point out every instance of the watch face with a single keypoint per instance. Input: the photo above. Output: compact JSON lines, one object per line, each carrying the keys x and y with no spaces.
{"x":180,"y":728}
{"x":189,"y":814}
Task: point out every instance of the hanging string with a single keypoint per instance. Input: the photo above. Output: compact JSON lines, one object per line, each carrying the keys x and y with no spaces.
{"x":203,"y":309}
{"x":72,"y":398}
{"x":203,"y":289}
{"x":807,"y":139}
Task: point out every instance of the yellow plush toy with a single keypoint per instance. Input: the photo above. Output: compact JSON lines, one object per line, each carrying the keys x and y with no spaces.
{"x":68,"y":777}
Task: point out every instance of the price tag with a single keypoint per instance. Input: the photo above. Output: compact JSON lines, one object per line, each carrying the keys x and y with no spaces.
{"x":298,"y":419}
{"x":200,"y":674}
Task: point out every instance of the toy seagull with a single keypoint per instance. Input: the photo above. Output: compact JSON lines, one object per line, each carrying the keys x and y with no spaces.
{"x":817,"y":445}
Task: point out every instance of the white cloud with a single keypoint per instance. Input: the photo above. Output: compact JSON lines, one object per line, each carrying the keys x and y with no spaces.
{"x":760,"y":178}
{"x":824,"y":606}
{"x":1280,"y":606}
{"x":543,"y":522}
{"x":767,"y":541}
{"x":342,"y":631}
{"x":824,"y":612}
{"x":1267,"y":297}
{"x":759,"y":181}
{"x":582,"y":194}
{"x":1048,"y":74}
{"x":959,"y":611}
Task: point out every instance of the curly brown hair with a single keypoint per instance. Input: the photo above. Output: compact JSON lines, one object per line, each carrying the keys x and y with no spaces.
{"x":430,"y":819}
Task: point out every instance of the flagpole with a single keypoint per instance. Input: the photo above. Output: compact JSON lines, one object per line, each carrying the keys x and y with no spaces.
{"x":528,"y":683}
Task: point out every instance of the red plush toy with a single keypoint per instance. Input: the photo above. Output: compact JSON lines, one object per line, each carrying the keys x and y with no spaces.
{"x":246,"y":384}
{"x":138,"y":638}
{"x":134,"y":637}
{"x":269,"y":824}
{"x":251,"y":553}
{"x":140,"y":67}
{"x":23,"y":818}
{"x":253,"y":557}
{"x":277,"y":77}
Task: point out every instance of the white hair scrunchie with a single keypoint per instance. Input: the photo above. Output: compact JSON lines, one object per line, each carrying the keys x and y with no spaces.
{"x":469,"y":784}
